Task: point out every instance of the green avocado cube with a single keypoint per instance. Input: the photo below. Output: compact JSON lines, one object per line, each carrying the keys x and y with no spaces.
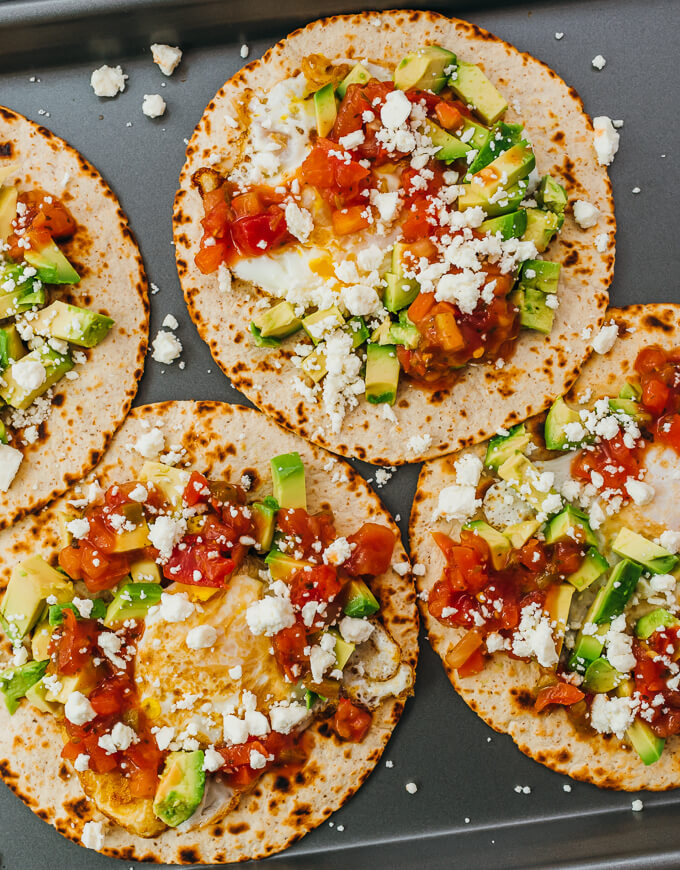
{"x":132,"y":601}
{"x":31,"y":583}
{"x":360,"y":602}
{"x":601,"y":676}
{"x":522,"y":475}
{"x":541,"y":227}
{"x":278,"y":322}
{"x":71,"y":323}
{"x":541,"y":275}
{"x":551,"y":195}
{"x":425,"y":69}
{"x":181,"y":787}
{"x":404,"y":333}
{"x":645,"y":742}
{"x":11,"y":346}
{"x":502,"y":137}
{"x":507,"y":169}
{"x":282,"y":566}
{"x":631,"y":390}
{"x":499,"y":545}
{"x":343,"y":650}
{"x":400,"y":292}
{"x":358,"y":75}
{"x":54,"y":364}
{"x":570,"y":524}
{"x":382,"y":373}
{"x":473,"y":196}
{"x":51,"y":265}
{"x":475,"y":134}
{"x":654,"y":621}
{"x":519,"y":533}
{"x":510,"y":226}
{"x":56,"y":611}
{"x":502,"y":447}
{"x":318,"y":324}
{"x":357,"y":328}
{"x":587,"y":648}
{"x":559,"y":417}
{"x":325,"y":109}
{"x":449,"y":147}
{"x":260,"y":341}
{"x":288,"y":479}
{"x":470,"y":84}
{"x":15,"y":682}
{"x":631,"y":408}
{"x":534,"y":312}
{"x":24,"y":298}
{"x":8,"y":211}
{"x":591,"y":569}
{"x":652,"y":557}
{"x":611,"y":600}
{"x":263,"y":516}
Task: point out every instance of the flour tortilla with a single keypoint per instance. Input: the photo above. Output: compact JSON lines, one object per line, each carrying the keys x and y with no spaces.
{"x":86,"y":411}
{"x":221,"y":440}
{"x":500,"y":694}
{"x":486,"y":397}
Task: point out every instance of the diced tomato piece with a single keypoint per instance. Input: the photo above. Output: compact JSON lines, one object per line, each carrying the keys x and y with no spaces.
{"x":567,"y":557}
{"x":351,"y":722}
{"x":320,"y":583}
{"x":561,"y":693}
{"x":198,"y":564}
{"x":667,"y":431}
{"x":655,"y":395}
{"x":143,"y":760}
{"x":74,"y":643}
{"x":209,"y":258}
{"x":100,"y":570}
{"x":473,"y":665}
{"x":448,"y":115}
{"x":197,"y":490}
{"x":289,"y":649}
{"x":70,"y":560}
{"x":372,"y":553}
{"x":650,"y":360}
{"x":451,"y":607}
{"x":350,"y":220}
{"x":420,"y":307}
{"x":247,"y":204}
{"x":306,"y":530}
{"x":612,"y":459}
{"x":533,"y":556}
{"x":254,"y":235}
{"x":468,"y":644}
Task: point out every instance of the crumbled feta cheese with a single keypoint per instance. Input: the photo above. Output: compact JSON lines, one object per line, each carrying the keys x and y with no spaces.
{"x":150,"y":444}
{"x":82,"y":762}
{"x":93,"y":835}
{"x":166,"y":347}
{"x":611,"y":715}
{"x":212,"y":760}
{"x":338,"y":552}
{"x":322,"y":657}
{"x":78,"y":528}
{"x":285,"y":718}
{"x":598,"y":62}
{"x":468,"y":469}
{"x":120,"y":739}
{"x":153,"y":105}
{"x":166,"y":57}
{"x":201,"y":637}
{"x":605,"y":140}
{"x":299,"y":221}
{"x":605,"y":338}
{"x":360,"y":300}
{"x":601,"y":242}
{"x":411,"y":787}
{"x":78,"y":709}
{"x":164,"y":737}
{"x":637,"y":805}
{"x":641,"y":493}
{"x":30,"y":374}
{"x":107,"y":81}
{"x":418,"y":444}
{"x":10,"y":460}
{"x":175,"y":607}
{"x":352,"y":140}
{"x":235,"y":730}
{"x":670,"y":541}
{"x":170,"y":321}
{"x":620,"y":646}
{"x":585,"y":214}
{"x":236,"y":672}
{"x":224,"y":278}
{"x":270,"y":615}
{"x":165,"y":533}
{"x":457,"y":502}
{"x":355,"y":630}
{"x":395,"y":110}
{"x":257,"y":760}
{"x":110,"y":645}
{"x":533,"y":636}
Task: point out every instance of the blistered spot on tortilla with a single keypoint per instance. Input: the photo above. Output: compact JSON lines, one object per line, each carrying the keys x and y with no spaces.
{"x":6,"y":149}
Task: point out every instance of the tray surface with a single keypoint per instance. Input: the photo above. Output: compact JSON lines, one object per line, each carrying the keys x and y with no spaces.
{"x":466,"y":812}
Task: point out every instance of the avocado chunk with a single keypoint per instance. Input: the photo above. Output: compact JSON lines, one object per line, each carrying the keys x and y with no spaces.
{"x":601,"y":676}
{"x":541,"y":227}
{"x":55,"y":365}
{"x":84,"y":681}
{"x":570,"y":524}
{"x":145,"y":571}
{"x":278,"y":322}
{"x":80,"y":326}
{"x":506,"y":170}
{"x":260,"y":340}
{"x":519,"y":533}
{"x":522,"y":475}
{"x":559,"y":417}
{"x":557,"y":606}
{"x":27,"y":296}
{"x":321,"y":322}
{"x":478,"y":138}
{"x":358,"y":75}
{"x":401,"y":290}
{"x":645,"y":742}
{"x":314,"y":364}
{"x":541,"y":275}
{"x":326,"y":109}
{"x":502,"y":447}
{"x":470,"y":84}
{"x":502,"y":137}
{"x":181,"y":787}
{"x":282,"y":566}
{"x":551,"y":195}
{"x":357,"y":328}
{"x":8,"y":211}
{"x":15,"y":682}
{"x":360,"y":602}
{"x":652,"y":557}
{"x":587,"y":648}
{"x":499,"y":545}
{"x":263,"y":516}
{"x":611,"y":600}
{"x":31,"y":583}
{"x":631,"y":391}
{"x":592,"y":568}
{"x":11,"y":346}
{"x":288,"y":479}
{"x":474,"y":196}
{"x":449,"y":147}
{"x":631,"y":408}
{"x":36,"y":695}
{"x":382,"y":373}
{"x":169,"y":480}
{"x":534,"y":312}
{"x":132,"y":601}
{"x":343,"y":650}
{"x":654,"y":621}
{"x":425,"y":69}
{"x":41,"y":637}
{"x":510,"y":226}
{"x":405,"y":332}
{"x":51,"y":264}
{"x":56,"y":613}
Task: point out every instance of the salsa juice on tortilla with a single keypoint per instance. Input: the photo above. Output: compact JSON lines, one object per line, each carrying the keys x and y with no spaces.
{"x":392,"y":221}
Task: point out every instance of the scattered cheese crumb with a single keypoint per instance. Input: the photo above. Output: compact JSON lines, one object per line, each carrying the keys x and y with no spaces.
{"x":153,"y":105}
{"x":598,"y":62}
{"x":166,"y":57}
{"x":107,"y":81}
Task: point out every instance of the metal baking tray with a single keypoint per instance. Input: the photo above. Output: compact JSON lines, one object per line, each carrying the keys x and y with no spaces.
{"x":466,"y":812}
